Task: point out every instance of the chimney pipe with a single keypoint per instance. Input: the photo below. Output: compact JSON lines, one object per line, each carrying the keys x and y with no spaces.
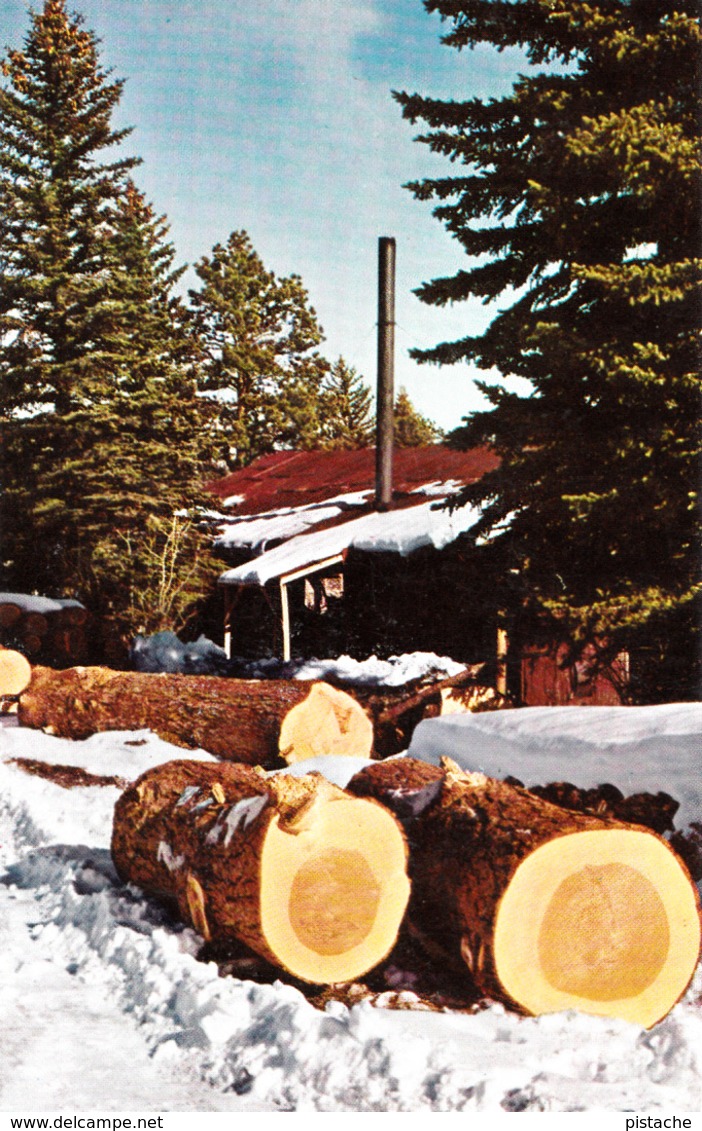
{"x":386,"y":373}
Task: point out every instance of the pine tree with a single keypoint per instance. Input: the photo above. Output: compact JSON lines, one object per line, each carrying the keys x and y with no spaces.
{"x":57,"y":216}
{"x":411,"y":429}
{"x":99,"y":437}
{"x":579,"y":204}
{"x":260,"y":365}
{"x":347,"y":418}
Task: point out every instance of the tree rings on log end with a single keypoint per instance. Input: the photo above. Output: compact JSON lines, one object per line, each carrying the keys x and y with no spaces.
{"x":606,"y":922}
{"x":15,"y":672}
{"x":333,"y":895}
{"x":327,"y":721}
{"x":309,"y":877}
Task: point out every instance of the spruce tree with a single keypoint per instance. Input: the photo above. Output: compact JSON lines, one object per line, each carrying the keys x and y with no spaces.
{"x":99,"y":436}
{"x":59,"y":309}
{"x":578,"y":205}
{"x":411,"y":429}
{"x":260,"y":366}
{"x":347,"y":418}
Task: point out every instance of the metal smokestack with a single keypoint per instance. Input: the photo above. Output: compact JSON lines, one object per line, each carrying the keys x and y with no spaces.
{"x":386,"y":373}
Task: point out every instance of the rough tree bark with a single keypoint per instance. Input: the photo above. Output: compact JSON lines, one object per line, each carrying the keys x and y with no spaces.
{"x":250,"y":721}
{"x":548,"y":909}
{"x":307,"y":876}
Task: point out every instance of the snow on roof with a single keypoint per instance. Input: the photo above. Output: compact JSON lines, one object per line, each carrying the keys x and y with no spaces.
{"x":401,"y":531}
{"x":295,"y":479}
{"x":441,"y":488}
{"x":254,"y":531}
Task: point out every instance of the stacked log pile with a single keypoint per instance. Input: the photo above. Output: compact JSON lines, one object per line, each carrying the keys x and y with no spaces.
{"x":43,"y":629}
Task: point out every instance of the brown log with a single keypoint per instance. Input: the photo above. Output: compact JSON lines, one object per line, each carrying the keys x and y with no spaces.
{"x":31,"y":644}
{"x":250,"y":721}
{"x":548,"y":909}
{"x":15,"y":672}
{"x":34,"y":624}
{"x":655,"y":811}
{"x":305,"y":875}
{"x":9,"y":614}
{"x":72,"y":615}
{"x":67,"y":646}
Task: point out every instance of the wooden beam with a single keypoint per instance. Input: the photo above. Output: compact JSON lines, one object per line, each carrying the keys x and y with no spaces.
{"x":314,"y":567}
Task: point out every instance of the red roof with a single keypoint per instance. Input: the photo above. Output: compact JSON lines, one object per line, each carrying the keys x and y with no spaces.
{"x":292,"y":479}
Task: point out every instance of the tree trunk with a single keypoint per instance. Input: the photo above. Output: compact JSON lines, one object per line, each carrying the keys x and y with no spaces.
{"x":305,"y":875}
{"x":548,"y":909}
{"x":252,"y":721}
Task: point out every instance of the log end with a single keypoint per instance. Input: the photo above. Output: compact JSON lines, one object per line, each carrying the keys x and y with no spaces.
{"x":326,"y":722}
{"x":605,"y":922}
{"x":15,"y":672}
{"x":334,"y":890}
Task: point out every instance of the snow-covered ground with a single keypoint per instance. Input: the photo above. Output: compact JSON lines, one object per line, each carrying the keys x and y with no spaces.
{"x":105,"y":1006}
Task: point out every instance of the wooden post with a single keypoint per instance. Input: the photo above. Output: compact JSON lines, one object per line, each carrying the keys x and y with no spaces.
{"x":228,"y":603}
{"x":501,"y":659}
{"x":285,"y":619}
{"x":231,"y":600}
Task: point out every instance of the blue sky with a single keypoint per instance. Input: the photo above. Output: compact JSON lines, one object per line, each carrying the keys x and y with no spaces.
{"x":276,"y":116}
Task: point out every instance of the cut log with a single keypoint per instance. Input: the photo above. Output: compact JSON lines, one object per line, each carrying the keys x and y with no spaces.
{"x":305,"y":875}
{"x":34,"y":624}
{"x":15,"y":672}
{"x":326,"y":721}
{"x":72,"y":614}
{"x":251,"y":721}
{"x":548,"y":909}
{"x":10,"y":613}
{"x":32,"y":644}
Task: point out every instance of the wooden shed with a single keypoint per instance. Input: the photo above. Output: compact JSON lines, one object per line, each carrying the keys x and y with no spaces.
{"x":316,"y":570}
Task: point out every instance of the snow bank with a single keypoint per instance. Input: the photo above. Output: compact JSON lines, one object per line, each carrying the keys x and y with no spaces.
{"x":637,"y":749}
{"x":100,"y":963}
{"x":122,"y":754}
{"x":164,"y":652}
{"x":394,"y":672}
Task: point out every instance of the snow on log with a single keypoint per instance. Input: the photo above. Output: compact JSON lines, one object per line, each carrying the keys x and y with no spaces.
{"x":549,"y":909}
{"x":15,"y":672}
{"x":258,"y":722}
{"x":307,"y":876}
